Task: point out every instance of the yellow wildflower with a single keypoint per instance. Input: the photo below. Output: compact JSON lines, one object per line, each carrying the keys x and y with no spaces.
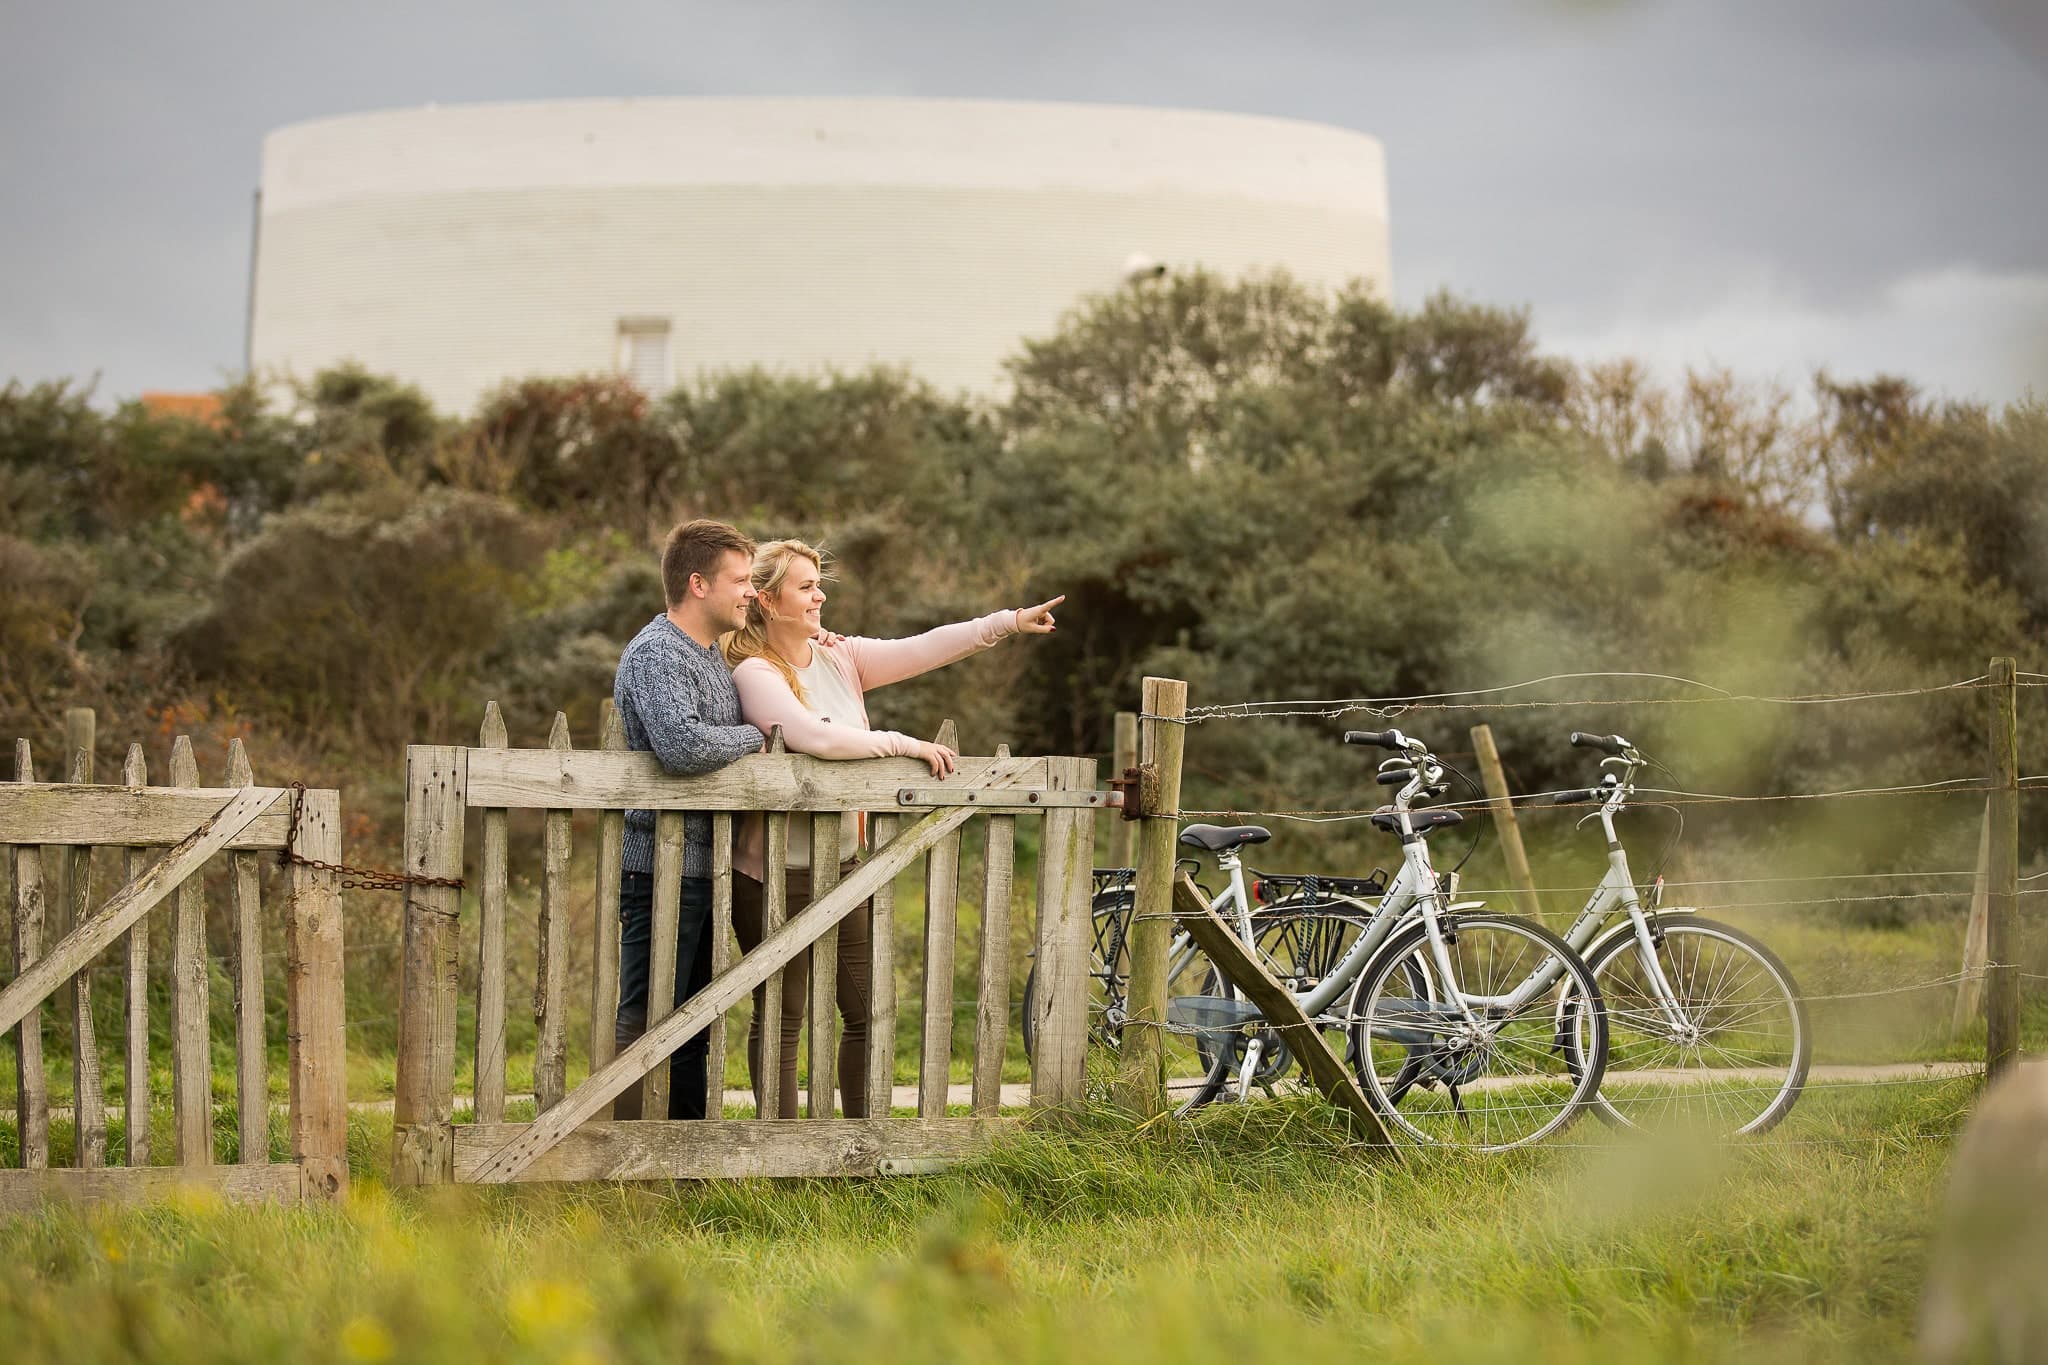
{"x":365,"y":1338}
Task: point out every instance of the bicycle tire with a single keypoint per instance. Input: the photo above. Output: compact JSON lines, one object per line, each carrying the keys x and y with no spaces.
{"x":1762,"y":1038}
{"x":1109,"y":919}
{"x":1300,"y":952}
{"x":1418,"y":1059}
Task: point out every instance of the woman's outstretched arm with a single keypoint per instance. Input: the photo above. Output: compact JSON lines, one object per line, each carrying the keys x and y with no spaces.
{"x":881,"y":662}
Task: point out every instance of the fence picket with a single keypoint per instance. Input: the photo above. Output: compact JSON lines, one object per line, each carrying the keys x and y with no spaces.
{"x":252,"y":1078}
{"x":604,"y":955}
{"x":661,"y":948}
{"x":135,"y":1057}
{"x":941,"y":914}
{"x":551,"y":981}
{"x":720,"y":947}
{"x":490,"y":945}
{"x":32,"y":1098}
{"x":825,"y":835}
{"x":992,"y":996}
{"x":88,"y":1101}
{"x":774,"y":905}
{"x":882,"y":981}
{"x":191,"y":1058}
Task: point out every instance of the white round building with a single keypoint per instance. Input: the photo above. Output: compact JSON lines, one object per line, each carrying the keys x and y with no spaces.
{"x":460,"y":247}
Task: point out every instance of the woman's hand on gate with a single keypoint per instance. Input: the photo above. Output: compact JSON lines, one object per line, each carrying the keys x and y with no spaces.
{"x":938,"y":756}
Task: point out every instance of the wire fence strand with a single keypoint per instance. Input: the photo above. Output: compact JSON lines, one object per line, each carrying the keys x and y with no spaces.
{"x":1389,"y":708}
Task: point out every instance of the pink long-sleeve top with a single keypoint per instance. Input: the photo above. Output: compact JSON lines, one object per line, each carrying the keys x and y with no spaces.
{"x":861,"y":665}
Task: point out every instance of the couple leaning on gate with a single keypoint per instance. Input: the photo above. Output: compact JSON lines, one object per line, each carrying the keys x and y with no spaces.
{"x":739,"y":651}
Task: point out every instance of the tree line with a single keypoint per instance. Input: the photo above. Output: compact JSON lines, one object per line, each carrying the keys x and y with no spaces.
{"x":1271,"y":491}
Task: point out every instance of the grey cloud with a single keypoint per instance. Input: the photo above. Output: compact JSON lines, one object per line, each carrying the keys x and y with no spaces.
{"x":1600,"y":161}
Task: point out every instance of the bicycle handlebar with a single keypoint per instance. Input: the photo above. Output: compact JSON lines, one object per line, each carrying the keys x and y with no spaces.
{"x":1394,"y":777}
{"x":1381,"y":739}
{"x":1573,"y":798}
{"x":1611,"y":744}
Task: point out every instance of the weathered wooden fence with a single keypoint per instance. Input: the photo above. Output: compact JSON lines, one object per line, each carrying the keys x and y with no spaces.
{"x":241,"y":821}
{"x":912,"y":817}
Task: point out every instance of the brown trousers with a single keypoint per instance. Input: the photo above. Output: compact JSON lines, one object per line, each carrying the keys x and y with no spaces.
{"x":853,"y":993}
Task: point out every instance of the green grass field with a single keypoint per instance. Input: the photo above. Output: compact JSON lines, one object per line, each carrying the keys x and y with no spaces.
{"x":1254,"y":1234}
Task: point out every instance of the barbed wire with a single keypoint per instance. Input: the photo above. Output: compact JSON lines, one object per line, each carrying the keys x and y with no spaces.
{"x":1874,"y":898}
{"x":1689,"y":884}
{"x":1389,"y":708}
{"x":1533,"y":801}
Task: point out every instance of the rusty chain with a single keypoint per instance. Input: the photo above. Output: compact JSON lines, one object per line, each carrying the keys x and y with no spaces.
{"x":352,"y":878}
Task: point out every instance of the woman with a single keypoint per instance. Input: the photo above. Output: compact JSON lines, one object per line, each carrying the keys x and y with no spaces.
{"x":815,"y":689}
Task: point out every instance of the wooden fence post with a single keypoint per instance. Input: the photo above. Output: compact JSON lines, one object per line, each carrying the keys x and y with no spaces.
{"x":1141,"y":1078}
{"x":314,"y":993}
{"x":1495,"y":780}
{"x":1059,"y":1057}
{"x":422,"y":1147}
{"x":1122,"y":832}
{"x":2002,"y":982}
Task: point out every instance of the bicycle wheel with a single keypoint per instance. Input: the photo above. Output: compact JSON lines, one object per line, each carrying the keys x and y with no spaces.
{"x":1301,"y":942}
{"x":1108,"y":972}
{"x":1730,"y":1055}
{"x":1507,"y":1074}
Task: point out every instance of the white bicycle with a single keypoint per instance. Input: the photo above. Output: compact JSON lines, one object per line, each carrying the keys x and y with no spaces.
{"x":1707,"y":1028}
{"x":1467,"y":1028}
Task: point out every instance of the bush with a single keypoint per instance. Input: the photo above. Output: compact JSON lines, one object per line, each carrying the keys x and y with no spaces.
{"x":371,"y":614}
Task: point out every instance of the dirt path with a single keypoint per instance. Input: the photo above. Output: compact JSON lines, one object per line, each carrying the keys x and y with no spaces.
{"x":1018,"y":1094}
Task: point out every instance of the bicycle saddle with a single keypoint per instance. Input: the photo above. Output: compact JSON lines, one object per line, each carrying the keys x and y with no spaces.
{"x":1220,"y":838}
{"x":1421,"y":821}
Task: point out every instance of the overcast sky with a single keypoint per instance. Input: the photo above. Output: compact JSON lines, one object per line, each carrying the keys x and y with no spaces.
{"x":1772,"y":185}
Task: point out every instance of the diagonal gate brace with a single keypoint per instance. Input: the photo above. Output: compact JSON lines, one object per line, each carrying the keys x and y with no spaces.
{"x":1277,"y":1003}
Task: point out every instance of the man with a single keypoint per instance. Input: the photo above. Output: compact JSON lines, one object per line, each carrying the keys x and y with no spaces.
{"x":676,"y":698}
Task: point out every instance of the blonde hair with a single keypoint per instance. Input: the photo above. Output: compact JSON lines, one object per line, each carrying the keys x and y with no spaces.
{"x":750,"y":641}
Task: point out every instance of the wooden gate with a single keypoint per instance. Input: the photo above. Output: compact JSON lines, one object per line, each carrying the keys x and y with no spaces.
{"x":912,"y":817}
{"x":192,"y":824}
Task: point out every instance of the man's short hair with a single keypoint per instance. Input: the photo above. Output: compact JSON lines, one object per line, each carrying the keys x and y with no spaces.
{"x":696,"y":547}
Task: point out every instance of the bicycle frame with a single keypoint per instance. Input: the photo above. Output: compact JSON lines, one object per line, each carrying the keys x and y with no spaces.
{"x":1617,"y":890}
{"x":1415,"y":891}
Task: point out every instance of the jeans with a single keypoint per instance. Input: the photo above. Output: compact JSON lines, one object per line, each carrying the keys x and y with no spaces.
{"x":686,"y":1068}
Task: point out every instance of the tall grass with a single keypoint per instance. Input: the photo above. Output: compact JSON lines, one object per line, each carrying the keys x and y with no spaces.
{"x":1254,"y":1234}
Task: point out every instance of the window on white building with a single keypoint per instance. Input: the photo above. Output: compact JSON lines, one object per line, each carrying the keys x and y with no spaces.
{"x":644,"y":354}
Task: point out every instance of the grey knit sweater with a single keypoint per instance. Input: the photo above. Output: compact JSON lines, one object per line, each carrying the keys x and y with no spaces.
{"x":677,"y":701}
